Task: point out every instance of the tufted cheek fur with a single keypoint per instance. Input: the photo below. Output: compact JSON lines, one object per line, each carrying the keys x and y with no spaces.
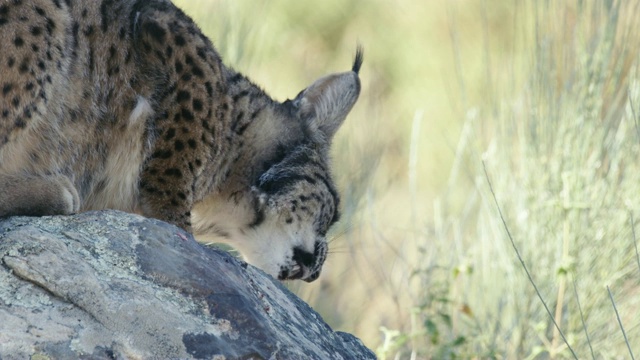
{"x":255,"y":227}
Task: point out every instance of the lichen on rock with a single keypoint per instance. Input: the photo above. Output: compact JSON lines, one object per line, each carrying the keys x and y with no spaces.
{"x":114,"y":285}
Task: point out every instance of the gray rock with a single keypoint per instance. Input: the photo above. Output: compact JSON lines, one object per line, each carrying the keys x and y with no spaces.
{"x":115,"y":285}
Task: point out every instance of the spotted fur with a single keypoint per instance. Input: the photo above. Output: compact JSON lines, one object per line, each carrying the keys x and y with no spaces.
{"x":125,"y":104}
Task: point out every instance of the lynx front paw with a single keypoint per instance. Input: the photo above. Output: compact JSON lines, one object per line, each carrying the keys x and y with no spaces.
{"x":37,"y":196}
{"x":65,"y":196}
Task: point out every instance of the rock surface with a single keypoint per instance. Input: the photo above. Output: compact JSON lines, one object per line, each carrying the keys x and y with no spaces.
{"x":114,"y":285}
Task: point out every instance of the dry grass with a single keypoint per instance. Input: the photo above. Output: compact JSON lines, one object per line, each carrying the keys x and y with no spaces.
{"x":547,"y":94}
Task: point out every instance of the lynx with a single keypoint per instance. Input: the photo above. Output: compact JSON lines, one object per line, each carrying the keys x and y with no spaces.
{"x":125,"y":104}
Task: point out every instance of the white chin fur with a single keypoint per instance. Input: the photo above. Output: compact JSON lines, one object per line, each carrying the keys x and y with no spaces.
{"x":268,"y":246}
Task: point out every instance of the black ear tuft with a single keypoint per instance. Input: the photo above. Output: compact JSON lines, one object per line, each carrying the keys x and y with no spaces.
{"x":357,"y":62}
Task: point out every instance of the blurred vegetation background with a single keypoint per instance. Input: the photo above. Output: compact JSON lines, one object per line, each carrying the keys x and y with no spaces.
{"x":535,"y":100}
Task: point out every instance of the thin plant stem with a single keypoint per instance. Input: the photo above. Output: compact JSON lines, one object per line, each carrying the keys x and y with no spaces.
{"x":524,"y":266}
{"x":584,"y":324}
{"x":635,"y":240}
{"x":615,"y":308}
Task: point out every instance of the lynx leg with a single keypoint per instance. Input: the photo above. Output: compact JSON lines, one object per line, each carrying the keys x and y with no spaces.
{"x":37,"y":195}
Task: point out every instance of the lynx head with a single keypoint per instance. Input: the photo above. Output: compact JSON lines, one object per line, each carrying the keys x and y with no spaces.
{"x":279,"y":220}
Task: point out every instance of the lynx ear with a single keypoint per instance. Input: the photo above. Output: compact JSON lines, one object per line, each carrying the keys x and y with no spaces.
{"x":326,"y":103}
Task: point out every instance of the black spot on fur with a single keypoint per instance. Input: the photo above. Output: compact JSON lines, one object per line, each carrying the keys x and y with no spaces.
{"x":242,"y":128}
{"x":183,"y":96}
{"x":202,"y":53}
{"x":50,"y":26}
{"x":36,"y":30}
{"x":179,"y":40}
{"x":18,"y":41}
{"x":170,"y":134}
{"x":209,"y":88}
{"x":235,"y":78}
{"x":19,"y":123}
{"x":240,"y":95}
{"x":150,"y":189}
{"x":198,"y":72}
{"x":179,"y":67}
{"x":104,"y":13}
{"x":173,"y":172}
{"x":192,"y":143}
{"x":163,"y":154}
{"x":6,"y":88}
{"x":155,"y":30}
{"x":91,"y":58}
{"x":74,"y":32}
{"x":178,"y":145}
{"x":187,"y":115}
{"x":88,"y":31}
{"x":24,"y":66}
{"x":197,"y":105}
{"x":303,"y":198}
{"x":239,"y":117}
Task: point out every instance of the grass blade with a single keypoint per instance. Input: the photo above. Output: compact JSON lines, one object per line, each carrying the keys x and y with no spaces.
{"x":620,"y":323}
{"x":524,"y":266}
{"x":635,"y":240}
{"x":584,"y":324}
